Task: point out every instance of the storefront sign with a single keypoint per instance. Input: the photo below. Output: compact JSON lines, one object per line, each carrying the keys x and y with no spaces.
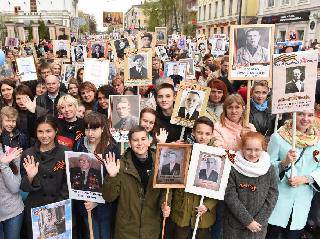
{"x":292,"y":17}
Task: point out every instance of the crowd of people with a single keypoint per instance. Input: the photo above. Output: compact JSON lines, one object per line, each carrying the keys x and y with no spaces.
{"x":42,"y":119}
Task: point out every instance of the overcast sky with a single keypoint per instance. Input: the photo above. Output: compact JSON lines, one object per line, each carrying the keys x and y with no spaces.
{"x":96,"y":7}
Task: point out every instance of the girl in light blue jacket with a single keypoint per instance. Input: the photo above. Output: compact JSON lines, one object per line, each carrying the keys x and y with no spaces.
{"x":295,"y":193}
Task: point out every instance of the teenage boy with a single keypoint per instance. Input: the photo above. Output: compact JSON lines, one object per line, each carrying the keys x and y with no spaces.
{"x":130,"y":181}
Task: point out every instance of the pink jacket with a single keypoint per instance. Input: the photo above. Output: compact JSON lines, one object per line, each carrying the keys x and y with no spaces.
{"x":228,"y":136}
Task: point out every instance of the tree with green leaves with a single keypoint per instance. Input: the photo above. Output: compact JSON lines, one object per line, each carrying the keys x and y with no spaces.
{"x":90,"y":26}
{"x":43,"y":30}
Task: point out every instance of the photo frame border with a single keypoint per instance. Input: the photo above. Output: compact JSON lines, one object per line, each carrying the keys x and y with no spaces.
{"x":64,"y":59}
{"x":175,"y":119}
{"x":164,"y":42}
{"x":104,"y":43}
{"x":193,"y":165}
{"x":232,"y":53}
{"x":35,"y":74}
{"x":188,"y":148}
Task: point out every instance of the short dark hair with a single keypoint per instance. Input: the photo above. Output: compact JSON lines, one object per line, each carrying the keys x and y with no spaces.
{"x":164,"y":86}
{"x":149,"y":35}
{"x":23,"y":89}
{"x":136,"y":57}
{"x":136,"y":129}
{"x":203,"y":120}
{"x":193,"y":92}
{"x":106,"y":90}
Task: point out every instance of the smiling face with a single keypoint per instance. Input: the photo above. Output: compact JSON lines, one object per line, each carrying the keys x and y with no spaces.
{"x":304,"y":120}
{"x":139,"y":62}
{"x":84,"y":163}
{"x":46,"y":134}
{"x":165,"y":98}
{"x":147,"y":121}
{"x":203,"y":133}
{"x":252,"y":150}
{"x":234,"y":112}
{"x":87,"y":95}
{"x":139,"y":143}
{"x":103,"y":101}
{"x":6,"y":92}
{"x":9,"y":123}
{"x":260,"y":94}
{"x":68,"y":110}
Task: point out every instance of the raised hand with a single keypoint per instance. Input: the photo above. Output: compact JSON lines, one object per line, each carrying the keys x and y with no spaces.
{"x":162,"y":136}
{"x":112,"y":164}
{"x":29,"y":104}
{"x":13,"y":154}
{"x":31,"y":167}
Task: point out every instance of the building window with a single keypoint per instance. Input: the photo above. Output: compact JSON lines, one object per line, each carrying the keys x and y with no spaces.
{"x":222,"y":30}
{"x":230,"y":7}
{"x":270,"y":3}
{"x":33,"y":6}
{"x":210,"y":11}
{"x":215,"y":9}
{"x":300,"y":34}
{"x":222,"y":8}
{"x":199,"y":12}
{"x":17,"y":9}
{"x":204,"y":12}
{"x":215,"y":30}
{"x":285,"y":2}
{"x":303,"y":1}
{"x":228,"y":30}
{"x":282,"y":35}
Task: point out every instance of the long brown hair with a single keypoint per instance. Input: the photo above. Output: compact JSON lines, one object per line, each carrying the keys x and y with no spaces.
{"x":94,"y":120}
{"x":151,"y":111}
{"x":229,"y":101}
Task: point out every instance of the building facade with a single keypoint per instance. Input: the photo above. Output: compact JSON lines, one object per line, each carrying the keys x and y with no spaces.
{"x":299,"y":16}
{"x":135,"y":19}
{"x":19,"y":14}
{"x":216,"y":16}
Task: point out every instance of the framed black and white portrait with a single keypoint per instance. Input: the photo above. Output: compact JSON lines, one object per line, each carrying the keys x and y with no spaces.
{"x":78,"y":53}
{"x":208,"y":171}
{"x":98,"y":49}
{"x":61,"y":49}
{"x":251,"y":49}
{"x":161,"y":35}
{"x":69,"y":72}
{"x":171,"y":165}
{"x":120,"y":45}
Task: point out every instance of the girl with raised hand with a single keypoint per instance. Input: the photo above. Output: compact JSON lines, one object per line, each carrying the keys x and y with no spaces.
{"x":43,"y":169}
{"x":252,"y":191}
{"x":11,"y":205}
{"x":97,"y":140}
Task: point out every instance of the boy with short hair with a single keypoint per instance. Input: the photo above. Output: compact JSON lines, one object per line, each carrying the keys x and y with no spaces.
{"x":130,"y":181}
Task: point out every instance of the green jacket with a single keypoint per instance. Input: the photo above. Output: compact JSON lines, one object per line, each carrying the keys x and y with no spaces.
{"x":183,"y":211}
{"x":138,"y":213}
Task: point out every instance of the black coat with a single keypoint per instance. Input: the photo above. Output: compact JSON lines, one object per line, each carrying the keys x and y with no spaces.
{"x":46,"y":106}
{"x":292,"y":88}
{"x":50,"y":183}
{"x":134,"y":74}
{"x":182,"y":114}
{"x":165,"y":170}
{"x":93,"y":182}
{"x":212,"y":177}
{"x":263,"y":121}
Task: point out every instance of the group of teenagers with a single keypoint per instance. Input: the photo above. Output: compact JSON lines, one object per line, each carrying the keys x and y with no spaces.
{"x":271,"y":191}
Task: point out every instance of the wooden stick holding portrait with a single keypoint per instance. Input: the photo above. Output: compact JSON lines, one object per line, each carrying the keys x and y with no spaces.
{"x":197,"y":220}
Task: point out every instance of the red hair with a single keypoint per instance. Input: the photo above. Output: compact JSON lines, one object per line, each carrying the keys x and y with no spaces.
{"x":254,"y":135}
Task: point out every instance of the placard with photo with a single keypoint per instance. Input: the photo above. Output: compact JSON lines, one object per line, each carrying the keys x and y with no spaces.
{"x":113,"y":19}
{"x":209,"y":171}
{"x":96,"y":71}
{"x":161,"y":35}
{"x":191,"y":102}
{"x":84,"y":176}
{"x":182,"y":42}
{"x":52,"y":220}
{"x":171,"y":165}
{"x":69,"y":71}
{"x":11,"y":42}
{"x":251,"y":49}
{"x":218,"y":42}
{"x":124,"y":115}
{"x":98,"y":49}
{"x":296,"y":81}
{"x":138,"y":68}
{"x":61,"y":49}
{"x":78,"y":53}
{"x":175,"y":71}
{"x":190,"y":68}
{"x":120,"y":45}
{"x":26,"y":68}
{"x":161,"y":52}
{"x":146,"y":40}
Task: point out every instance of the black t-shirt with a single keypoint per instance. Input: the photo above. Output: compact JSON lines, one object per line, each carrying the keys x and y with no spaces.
{"x":143,"y":167}
{"x":69,"y":132}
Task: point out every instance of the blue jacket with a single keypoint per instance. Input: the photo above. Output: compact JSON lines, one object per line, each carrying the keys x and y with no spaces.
{"x":293,"y":200}
{"x":18,"y":139}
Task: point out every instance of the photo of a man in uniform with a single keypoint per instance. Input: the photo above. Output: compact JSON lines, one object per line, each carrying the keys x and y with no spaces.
{"x":219,"y":45}
{"x":209,"y":173}
{"x":172,"y":164}
{"x":84,"y":177}
{"x":146,"y":40}
{"x":97,"y":51}
{"x":138,"y":71}
{"x":190,"y":109}
{"x":61,"y":50}
{"x":123,"y":109}
{"x":252,"y":51}
{"x":294,"y":80}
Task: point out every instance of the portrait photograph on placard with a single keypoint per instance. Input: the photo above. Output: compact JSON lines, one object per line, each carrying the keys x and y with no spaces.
{"x":138,"y":68}
{"x":146,"y":40}
{"x":192,"y":48}
{"x":26,"y":68}
{"x":288,"y":46}
{"x":251,"y":49}
{"x":97,"y":49}
{"x":175,"y":71}
{"x":124,"y":115}
{"x":61,"y":49}
{"x":171,"y":165}
{"x":78,"y":53}
{"x":191,"y":102}
{"x":208,"y":173}
{"x":161,"y":35}
{"x":85,"y":176}
{"x":96,"y":71}
{"x":114,"y":19}
{"x":202,"y":46}
{"x":11,"y":42}
{"x":52,"y":220}
{"x":161,"y":52}
{"x":218,"y":42}
{"x":296,"y":81}
{"x":190,"y":68}
{"x":182,"y":42}
{"x":69,"y":71}
{"x":120,"y":45}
